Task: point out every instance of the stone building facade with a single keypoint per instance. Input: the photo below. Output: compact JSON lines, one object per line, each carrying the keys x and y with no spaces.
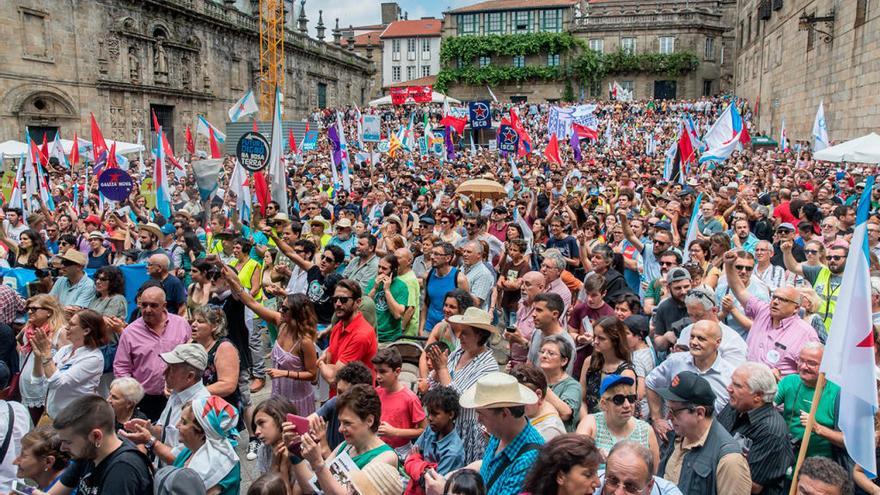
{"x":785,"y":71}
{"x":121,"y":59}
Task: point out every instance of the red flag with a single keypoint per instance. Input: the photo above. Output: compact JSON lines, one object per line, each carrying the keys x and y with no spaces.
{"x":74,"y":151}
{"x":291,"y":141}
{"x":44,"y":151}
{"x":261,"y":189}
{"x":685,"y":147}
{"x":256,"y":127}
{"x":525,"y":142}
{"x":98,"y":144}
{"x":190,"y":144}
{"x":454,"y":122}
{"x":744,"y":137}
{"x":307,"y":126}
{"x":166,"y":146}
{"x":111,"y":158}
{"x":585,"y":132}
{"x":551,"y":152}
{"x":215,"y":148}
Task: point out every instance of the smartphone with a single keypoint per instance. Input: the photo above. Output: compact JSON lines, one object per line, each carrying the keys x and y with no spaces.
{"x":301,"y":423}
{"x":20,"y":488}
{"x":510,"y":329}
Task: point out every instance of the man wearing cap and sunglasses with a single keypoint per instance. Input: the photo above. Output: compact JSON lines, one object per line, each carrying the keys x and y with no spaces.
{"x":73,"y":288}
{"x":700,"y":456}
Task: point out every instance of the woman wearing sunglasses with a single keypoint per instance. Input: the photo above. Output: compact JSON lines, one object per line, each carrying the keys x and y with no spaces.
{"x":45,"y":316}
{"x":615,"y":421}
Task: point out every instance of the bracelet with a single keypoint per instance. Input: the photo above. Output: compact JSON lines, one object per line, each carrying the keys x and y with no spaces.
{"x":46,"y":361}
{"x":288,"y":373}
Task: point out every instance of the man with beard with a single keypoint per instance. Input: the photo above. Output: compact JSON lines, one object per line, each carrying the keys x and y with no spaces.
{"x":824,"y":279}
{"x":150,"y":236}
{"x":103,"y":464}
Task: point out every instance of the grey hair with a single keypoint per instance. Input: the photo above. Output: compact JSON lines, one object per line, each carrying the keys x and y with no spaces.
{"x":768,"y":245}
{"x":477,"y":245}
{"x":875,"y":286}
{"x":761,"y":379}
{"x":693,"y":298}
{"x":556,"y":257}
{"x":131,"y":389}
{"x":215,"y":316}
{"x":636,"y":448}
{"x":813,"y":345}
{"x":565,"y":349}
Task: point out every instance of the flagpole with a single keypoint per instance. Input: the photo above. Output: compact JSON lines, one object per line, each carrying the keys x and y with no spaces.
{"x":808,"y":429}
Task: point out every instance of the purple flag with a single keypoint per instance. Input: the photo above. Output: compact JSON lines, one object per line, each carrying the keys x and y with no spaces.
{"x":575,"y":143}
{"x":334,"y":140}
{"x":450,"y":148}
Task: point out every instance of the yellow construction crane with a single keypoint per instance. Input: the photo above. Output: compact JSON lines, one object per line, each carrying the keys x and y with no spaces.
{"x":271,"y":54}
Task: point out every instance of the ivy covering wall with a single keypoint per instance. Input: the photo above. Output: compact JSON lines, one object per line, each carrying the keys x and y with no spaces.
{"x":577,"y":60}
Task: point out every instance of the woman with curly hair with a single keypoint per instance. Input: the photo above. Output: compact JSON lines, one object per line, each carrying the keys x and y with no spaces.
{"x":32,"y":252}
{"x":566,"y":465}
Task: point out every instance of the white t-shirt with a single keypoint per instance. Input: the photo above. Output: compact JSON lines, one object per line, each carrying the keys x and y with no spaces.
{"x":74,"y":377}
{"x":21,"y":427}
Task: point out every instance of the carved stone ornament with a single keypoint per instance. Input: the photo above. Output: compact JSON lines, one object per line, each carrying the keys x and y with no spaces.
{"x":113,"y":47}
{"x":134,"y":65}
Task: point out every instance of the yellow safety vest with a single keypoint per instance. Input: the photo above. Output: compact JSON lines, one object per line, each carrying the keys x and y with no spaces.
{"x":827,"y":296}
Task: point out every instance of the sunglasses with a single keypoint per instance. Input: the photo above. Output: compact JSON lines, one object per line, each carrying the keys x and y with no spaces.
{"x":619,"y":398}
{"x":667,"y":263}
{"x":835,"y":257}
{"x":34,"y":309}
{"x":329,"y":259}
{"x":811,"y":251}
{"x":341,"y":299}
{"x":746,"y":268}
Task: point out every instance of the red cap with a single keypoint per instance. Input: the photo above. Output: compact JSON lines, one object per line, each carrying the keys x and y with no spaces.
{"x":93,"y":219}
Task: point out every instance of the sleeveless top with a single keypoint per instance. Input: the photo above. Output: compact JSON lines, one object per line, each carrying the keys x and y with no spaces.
{"x":605,"y":439}
{"x":593,"y":381}
{"x":96,"y":262}
{"x":362,"y":460}
{"x":435,"y":292}
{"x":210,"y":377}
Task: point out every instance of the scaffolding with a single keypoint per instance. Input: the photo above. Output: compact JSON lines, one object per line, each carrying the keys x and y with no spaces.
{"x":271,"y":54}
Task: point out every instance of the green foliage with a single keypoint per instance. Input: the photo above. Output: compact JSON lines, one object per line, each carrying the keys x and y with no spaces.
{"x":494,"y":75}
{"x":568,"y":91}
{"x":673,"y":65}
{"x":494,"y":45}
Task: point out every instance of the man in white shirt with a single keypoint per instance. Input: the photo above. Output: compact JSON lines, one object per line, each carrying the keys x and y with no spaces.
{"x":701,"y":305}
{"x":15,"y":415}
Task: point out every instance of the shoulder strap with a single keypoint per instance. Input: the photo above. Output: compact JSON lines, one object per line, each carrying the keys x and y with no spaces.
{"x":505,"y":463}
{"x":5,"y":447}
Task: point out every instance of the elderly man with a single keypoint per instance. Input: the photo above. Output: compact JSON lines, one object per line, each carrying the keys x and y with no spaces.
{"x":475,"y":226}
{"x":175,"y":293}
{"x":698,"y":440}
{"x":795,"y":395}
{"x":778,"y":333}
{"x":671,"y":315}
{"x":629,"y":467}
{"x":73,"y":288}
{"x":183,"y":378}
{"x":480,"y":278}
{"x":364,"y":267}
{"x":773,"y":276}
{"x":825,"y":280}
{"x":142,"y":342}
{"x":751,"y":418}
{"x":552,"y":268}
{"x":701,"y":305}
{"x":513,"y":443}
{"x":707,"y":222}
{"x":731,"y":310}
{"x":703,"y":359}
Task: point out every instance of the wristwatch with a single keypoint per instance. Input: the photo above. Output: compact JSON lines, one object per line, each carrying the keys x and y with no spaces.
{"x":150,"y":443}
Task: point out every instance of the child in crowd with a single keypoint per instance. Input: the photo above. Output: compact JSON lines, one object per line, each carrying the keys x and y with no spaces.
{"x":439,"y":447}
{"x":403,"y":418}
{"x":431,"y":381}
{"x":353,"y":373}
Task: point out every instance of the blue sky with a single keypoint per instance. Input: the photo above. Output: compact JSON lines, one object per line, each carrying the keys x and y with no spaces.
{"x":363,"y":12}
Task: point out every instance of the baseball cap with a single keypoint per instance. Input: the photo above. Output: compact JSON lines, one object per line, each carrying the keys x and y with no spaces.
{"x":689,"y":387}
{"x":677,"y":274}
{"x":785,"y":226}
{"x":612,"y":380}
{"x":638,"y":324}
{"x":704,"y":292}
{"x":191,"y":354}
{"x":93,"y":219}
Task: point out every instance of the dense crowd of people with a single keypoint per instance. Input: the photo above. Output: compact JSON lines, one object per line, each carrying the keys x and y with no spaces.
{"x":566,"y":336}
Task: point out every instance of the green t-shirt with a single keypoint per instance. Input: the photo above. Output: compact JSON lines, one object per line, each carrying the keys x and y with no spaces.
{"x":414,"y":300}
{"x":387,"y":326}
{"x":569,"y":391}
{"x":654,"y":291}
{"x":795,"y":397}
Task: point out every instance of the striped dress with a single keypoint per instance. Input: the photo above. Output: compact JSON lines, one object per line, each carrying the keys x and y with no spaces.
{"x":468,"y":427}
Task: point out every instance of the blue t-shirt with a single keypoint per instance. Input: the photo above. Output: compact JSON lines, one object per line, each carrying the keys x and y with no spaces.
{"x":175,"y":293}
{"x":568,"y":246}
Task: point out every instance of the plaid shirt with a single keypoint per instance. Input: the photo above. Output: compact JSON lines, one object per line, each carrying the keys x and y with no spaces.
{"x":11,"y":305}
{"x":511,"y":480}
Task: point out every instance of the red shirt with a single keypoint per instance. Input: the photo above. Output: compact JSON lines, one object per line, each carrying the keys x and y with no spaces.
{"x":355,"y":342}
{"x":401,"y":409}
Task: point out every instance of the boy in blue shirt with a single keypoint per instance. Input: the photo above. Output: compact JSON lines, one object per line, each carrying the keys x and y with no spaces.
{"x":439,"y":446}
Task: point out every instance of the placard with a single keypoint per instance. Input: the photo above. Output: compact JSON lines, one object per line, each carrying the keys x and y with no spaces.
{"x":115,"y":184}
{"x":372,"y":128}
{"x":310,"y":141}
{"x":480,"y":114}
{"x":253,"y":151}
{"x":509,"y":139}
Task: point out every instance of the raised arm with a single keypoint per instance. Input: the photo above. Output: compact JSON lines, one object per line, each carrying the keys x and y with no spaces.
{"x":791,"y":264}
{"x":245,"y":297}
{"x":737,"y":288}
{"x":628,"y":233}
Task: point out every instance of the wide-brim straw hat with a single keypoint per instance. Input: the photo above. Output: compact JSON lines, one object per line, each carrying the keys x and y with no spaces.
{"x":152,"y":228}
{"x":495,"y":390}
{"x":475,"y":317}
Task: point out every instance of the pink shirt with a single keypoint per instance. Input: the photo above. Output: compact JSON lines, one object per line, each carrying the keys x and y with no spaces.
{"x":558,"y":287}
{"x":137,"y":354}
{"x":776,"y":347}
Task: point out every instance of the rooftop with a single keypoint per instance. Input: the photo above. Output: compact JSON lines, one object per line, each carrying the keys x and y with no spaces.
{"x":422,"y":81}
{"x":406,"y":29}
{"x":495,"y":5}
{"x":368,"y":39}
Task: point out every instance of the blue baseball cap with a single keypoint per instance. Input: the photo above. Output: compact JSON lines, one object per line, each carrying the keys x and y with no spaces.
{"x":612,"y":380}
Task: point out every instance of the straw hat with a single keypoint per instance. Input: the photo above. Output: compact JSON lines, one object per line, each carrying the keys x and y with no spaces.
{"x":377,"y":478}
{"x":75,"y":256}
{"x":343,"y":223}
{"x":153,"y":229}
{"x":475,"y":317}
{"x":497,"y":389}
{"x":321,"y":220}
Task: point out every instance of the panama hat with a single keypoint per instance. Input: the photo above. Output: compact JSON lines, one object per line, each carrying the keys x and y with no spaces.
{"x":497,"y":389}
{"x":152,"y":228}
{"x":475,"y":317}
{"x":321,"y":220}
{"x":376,"y":478}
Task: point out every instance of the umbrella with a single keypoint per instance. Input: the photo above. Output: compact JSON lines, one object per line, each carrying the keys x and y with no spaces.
{"x":865,"y":149}
{"x":482,"y":189}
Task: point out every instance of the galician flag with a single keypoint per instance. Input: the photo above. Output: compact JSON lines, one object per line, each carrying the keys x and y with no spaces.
{"x":206,"y":129}
{"x":692,"y":228}
{"x":57,"y":151}
{"x":277,"y":170}
{"x":849,"y":352}
{"x":783,"y":138}
{"x":160,"y":177}
{"x":820,"y":131}
{"x":245,"y":106}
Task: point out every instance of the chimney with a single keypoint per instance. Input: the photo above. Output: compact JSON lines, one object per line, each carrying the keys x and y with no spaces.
{"x":320,"y":28}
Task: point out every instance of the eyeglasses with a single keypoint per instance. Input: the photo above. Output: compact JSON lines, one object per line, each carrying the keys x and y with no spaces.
{"x":744,"y":268}
{"x":666,"y":263}
{"x":619,"y":398}
{"x":628,"y":486}
{"x":341,"y":299}
{"x":675,"y":412}
{"x":328,"y":259}
{"x":811,"y":251}
{"x":783,"y":299}
{"x":34,"y":309}
{"x":835,"y":257}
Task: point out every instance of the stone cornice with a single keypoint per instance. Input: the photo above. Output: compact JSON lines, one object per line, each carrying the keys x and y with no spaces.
{"x":153,"y":89}
{"x":647,"y":21}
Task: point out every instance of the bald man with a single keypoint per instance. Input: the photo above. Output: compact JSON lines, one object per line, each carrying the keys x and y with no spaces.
{"x":175,"y":293}
{"x":142,"y":342}
{"x":410,"y":320}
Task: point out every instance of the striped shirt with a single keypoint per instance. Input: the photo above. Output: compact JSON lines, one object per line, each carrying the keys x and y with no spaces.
{"x":769,"y":453}
{"x":481,"y":282}
{"x":467,"y":425}
{"x":510,"y":481}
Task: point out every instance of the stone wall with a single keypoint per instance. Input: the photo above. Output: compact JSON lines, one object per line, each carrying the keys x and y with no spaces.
{"x":117,"y":58}
{"x":791,"y":70}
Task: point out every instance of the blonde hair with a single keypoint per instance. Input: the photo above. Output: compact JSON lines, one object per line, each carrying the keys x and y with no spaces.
{"x":807,"y":293}
{"x":58,"y":318}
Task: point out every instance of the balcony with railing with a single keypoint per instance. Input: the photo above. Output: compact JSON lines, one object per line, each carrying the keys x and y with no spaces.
{"x":645,"y":20}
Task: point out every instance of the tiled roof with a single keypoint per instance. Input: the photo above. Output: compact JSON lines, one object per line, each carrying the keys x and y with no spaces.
{"x":368,"y":39}
{"x":494,"y":5}
{"x":421,"y":27}
{"x":422,"y":81}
